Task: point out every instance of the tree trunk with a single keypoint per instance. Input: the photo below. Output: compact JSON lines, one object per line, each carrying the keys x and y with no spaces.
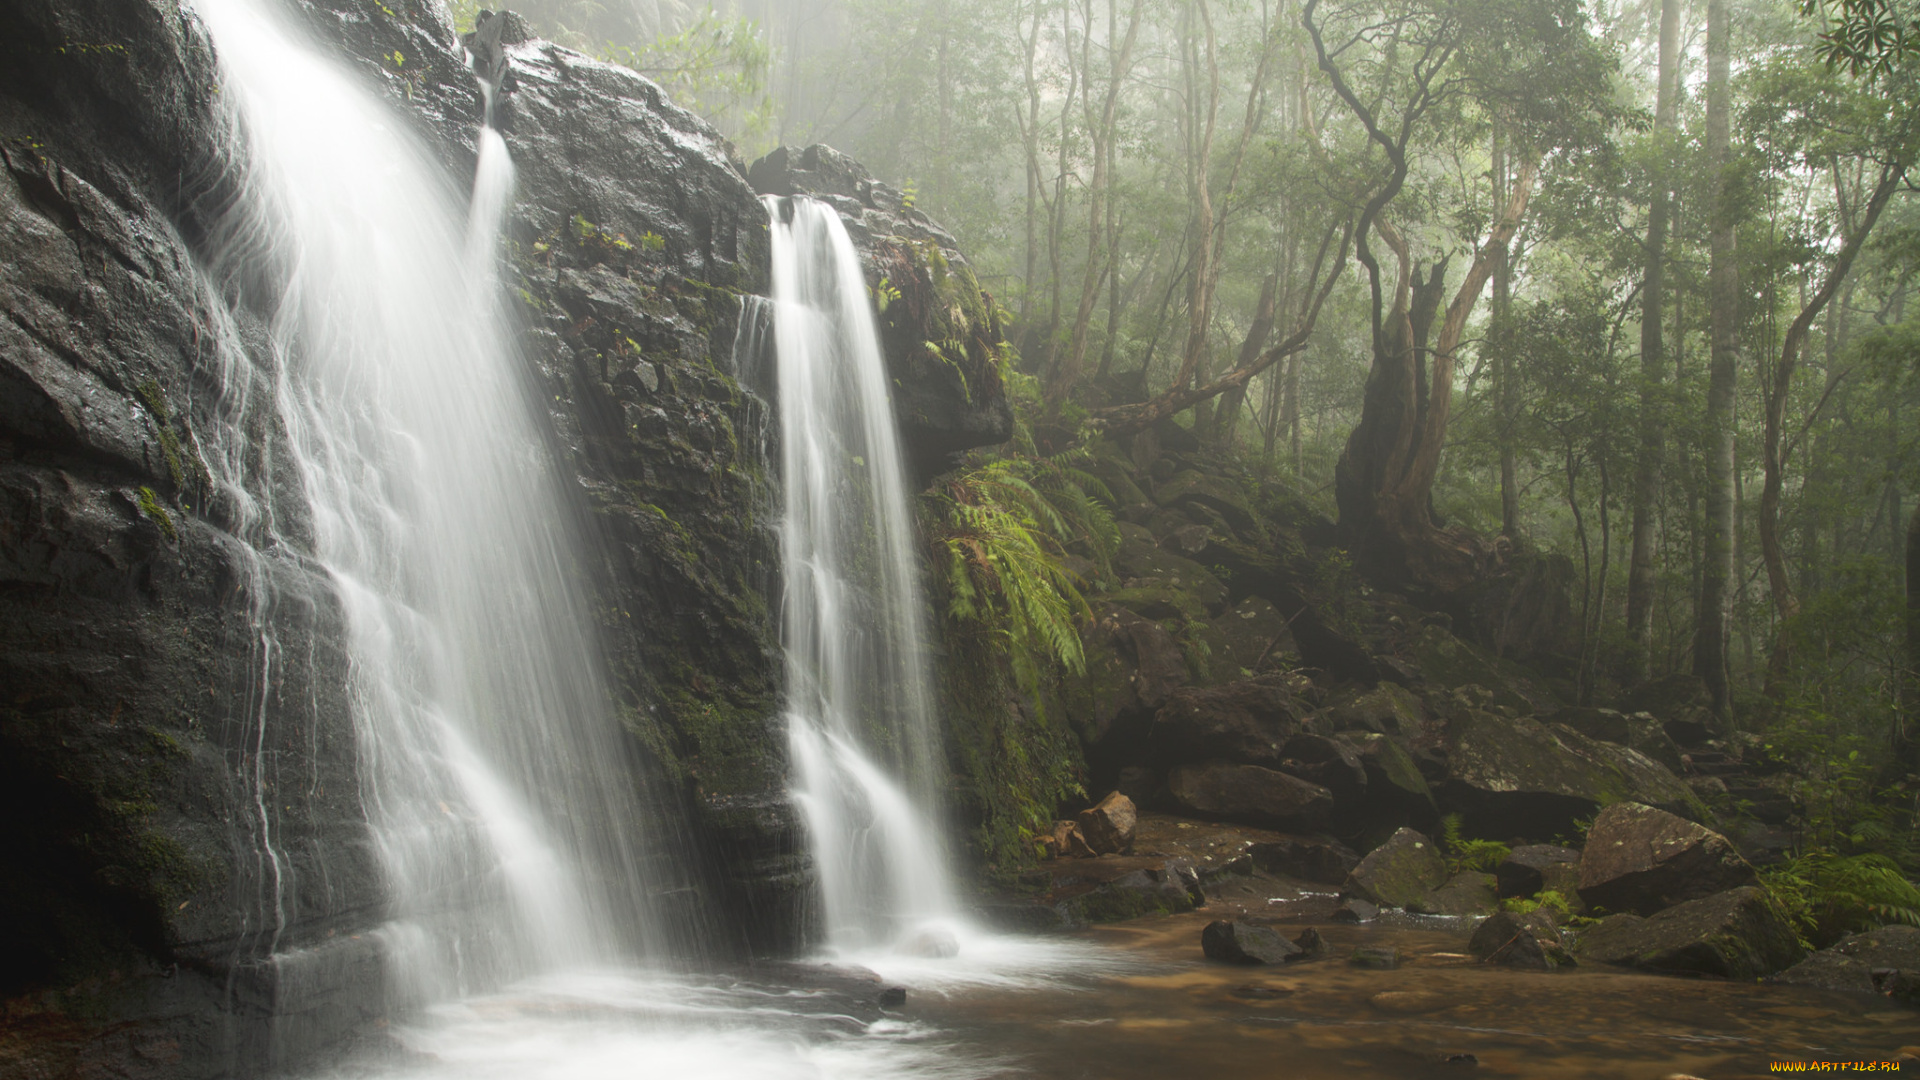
{"x":1653,"y":368}
{"x":1497,"y":334}
{"x":1773,"y":453}
{"x":1234,"y":398}
{"x":1711,"y":622}
{"x":1907,"y":736}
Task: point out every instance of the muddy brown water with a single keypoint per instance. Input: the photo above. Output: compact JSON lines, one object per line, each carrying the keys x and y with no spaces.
{"x":1441,"y":1014}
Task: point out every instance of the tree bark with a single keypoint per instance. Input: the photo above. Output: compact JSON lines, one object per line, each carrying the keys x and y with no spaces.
{"x":1233,"y":398}
{"x":1907,"y":736}
{"x":1711,"y":616}
{"x":1653,"y":367}
{"x":1774,"y":454}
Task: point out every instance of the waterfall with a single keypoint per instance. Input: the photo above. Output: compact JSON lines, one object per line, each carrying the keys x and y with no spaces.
{"x":861,"y":724}
{"x":497,"y":784}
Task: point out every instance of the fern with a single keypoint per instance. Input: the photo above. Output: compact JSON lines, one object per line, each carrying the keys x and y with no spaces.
{"x":1829,"y":895}
{"x":1465,"y":854}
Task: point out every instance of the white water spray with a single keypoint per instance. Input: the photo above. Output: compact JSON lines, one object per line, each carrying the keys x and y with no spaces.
{"x":857,"y":680}
{"x":493,"y":774}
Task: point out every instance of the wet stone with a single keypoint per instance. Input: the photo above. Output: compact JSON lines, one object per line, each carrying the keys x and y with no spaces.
{"x":1243,"y":943}
{"x":1375,"y":957}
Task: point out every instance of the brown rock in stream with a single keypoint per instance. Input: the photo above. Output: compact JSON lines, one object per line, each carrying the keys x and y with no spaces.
{"x":1740,"y":934}
{"x":1244,"y":943}
{"x":1109,"y":825}
{"x":1642,"y":860}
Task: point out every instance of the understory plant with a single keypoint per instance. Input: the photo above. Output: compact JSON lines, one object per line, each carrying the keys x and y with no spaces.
{"x":1464,"y":854}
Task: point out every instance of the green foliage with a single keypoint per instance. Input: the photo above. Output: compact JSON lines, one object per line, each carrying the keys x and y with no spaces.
{"x":1002,"y":529}
{"x":1549,"y":899}
{"x":1865,"y":37}
{"x":1464,"y":854}
{"x":1829,"y":895}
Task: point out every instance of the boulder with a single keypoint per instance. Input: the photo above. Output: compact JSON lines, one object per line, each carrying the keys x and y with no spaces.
{"x":1399,"y":872}
{"x":1849,"y":965}
{"x":1394,"y":782}
{"x":1637,"y":731}
{"x":1641,"y":860}
{"x":1247,"y":638}
{"x":1386,"y":709}
{"x":1529,"y":942}
{"x":1331,"y":763}
{"x":1530,"y":868}
{"x":1447,"y":661}
{"x":1246,"y":721}
{"x":1193,"y":488}
{"x":1244,"y":943}
{"x":1325,"y":861}
{"x":1142,"y":563}
{"x":1468,"y":892}
{"x":1108,"y":825}
{"x":1740,"y":934}
{"x":1518,"y":777}
{"x":1249,"y":793}
{"x":1682,"y":705}
{"x":1160,"y":887}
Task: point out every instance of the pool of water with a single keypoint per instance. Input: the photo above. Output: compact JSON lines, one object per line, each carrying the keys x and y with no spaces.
{"x":1136,"y":1000}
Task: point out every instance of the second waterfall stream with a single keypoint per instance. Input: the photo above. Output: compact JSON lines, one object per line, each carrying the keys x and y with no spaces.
{"x":861,"y":722}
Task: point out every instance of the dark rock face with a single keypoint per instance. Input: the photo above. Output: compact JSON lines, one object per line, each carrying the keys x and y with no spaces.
{"x":137,"y":746}
{"x":1530,"y":868}
{"x":1399,"y":872}
{"x":1245,"y":722}
{"x":1244,"y":943}
{"x":939,"y":328}
{"x":1518,"y":777}
{"x":1325,"y":861}
{"x":1249,"y":793}
{"x":1466,"y":893}
{"x":1639,"y":859}
{"x":1850,"y":964}
{"x":1740,"y":934}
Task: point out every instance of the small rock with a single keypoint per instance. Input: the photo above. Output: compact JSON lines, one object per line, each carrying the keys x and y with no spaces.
{"x":893,"y":997}
{"x":1311,"y":945}
{"x":1375,"y":957}
{"x":1244,"y":943}
{"x":1902,"y":986}
{"x":1398,"y":872}
{"x":1355,"y":911}
{"x":1459,"y":1059}
{"x":1850,"y":963}
{"x":1066,"y":841}
{"x":1109,"y":825}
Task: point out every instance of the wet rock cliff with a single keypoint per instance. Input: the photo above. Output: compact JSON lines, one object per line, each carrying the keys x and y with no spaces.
{"x":185,"y":843}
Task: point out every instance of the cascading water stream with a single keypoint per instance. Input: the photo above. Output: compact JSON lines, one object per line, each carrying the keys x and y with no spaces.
{"x":493,"y":775}
{"x":857,"y":682}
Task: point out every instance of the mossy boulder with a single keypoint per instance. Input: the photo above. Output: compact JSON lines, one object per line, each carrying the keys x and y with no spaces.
{"x":1394,"y":781}
{"x":1639,"y":859}
{"x":1517,"y":777}
{"x":1388,"y":709}
{"x":1248,"y":638}
{"x":1636,"y":731}
{"x":1197,"y":489}
{"x":1399,"y":872}
{"x":1469,"y":892}
{"x":1447,"y":661}
{"x":1849,"y":964}
{"x":1741,"y":934}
